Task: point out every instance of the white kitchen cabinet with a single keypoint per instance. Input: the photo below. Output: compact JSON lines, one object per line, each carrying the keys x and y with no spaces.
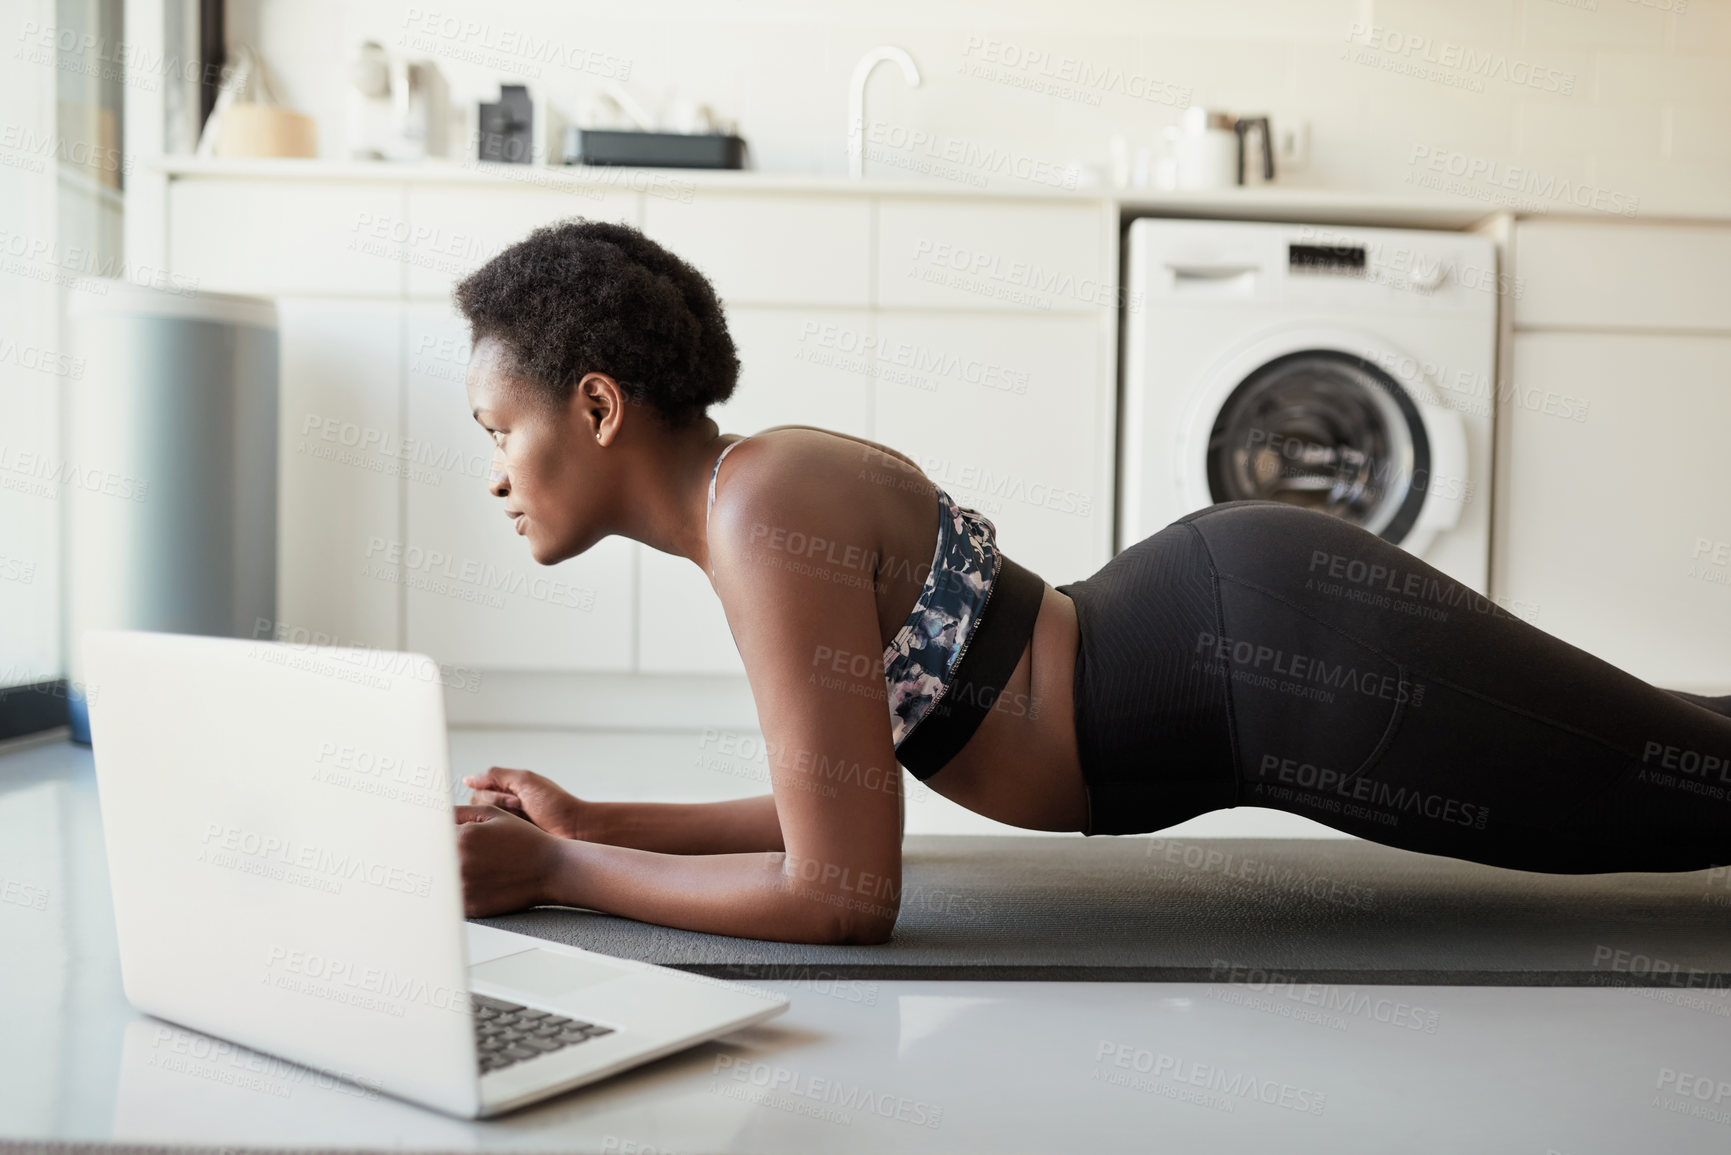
{"x":1594,"y":274}
{"x":1001,"y":383}
{"x":338,"y":504}
{"x":1040,"y":257}
{"x":683,"y":629}
{"x":1007,"y":414}
{"x":1613,"y":514}
{"x":797,"y":367}
{"x":448,"y":234}
{"x":473,"y":595}
{"x":1616,"y":528}
{"x":296,"y":237}
{"x":770,"y":250}
{"x":800,"y":367}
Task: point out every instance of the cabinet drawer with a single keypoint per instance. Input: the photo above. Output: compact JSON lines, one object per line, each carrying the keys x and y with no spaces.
{"x":340,"y":419}
{"x":1622,"y":276}
{"x":242,"y":236}
{"x":771,"y":250}
{"x":1008,"y":414}
{"x":681,"y":627}
{"x":450,"y":232}
{"x":1612,"y":518}
{"x":986,"y":255}
{"x":801,"y":367}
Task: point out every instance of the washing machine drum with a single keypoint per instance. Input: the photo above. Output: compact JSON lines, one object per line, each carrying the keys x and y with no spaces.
{"x":1325,"y":429}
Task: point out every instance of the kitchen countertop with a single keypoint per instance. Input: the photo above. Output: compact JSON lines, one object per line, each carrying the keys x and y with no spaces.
{"x":1266,"y":203}
{"x":1280,"y":203}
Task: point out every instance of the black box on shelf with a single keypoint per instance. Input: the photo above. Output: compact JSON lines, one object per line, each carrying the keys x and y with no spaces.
{"x":505,"y":131}
{"x":653,"y":149}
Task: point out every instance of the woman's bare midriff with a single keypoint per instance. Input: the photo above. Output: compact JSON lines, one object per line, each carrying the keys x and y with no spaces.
{"x":1021,"y":766}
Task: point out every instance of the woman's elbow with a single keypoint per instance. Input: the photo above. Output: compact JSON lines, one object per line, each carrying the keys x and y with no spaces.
{"x":850,"y":929}
{"x":831,"y":914}
{"x":873,"y":931}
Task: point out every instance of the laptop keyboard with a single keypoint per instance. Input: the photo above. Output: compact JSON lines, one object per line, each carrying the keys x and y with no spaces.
{"x":507,"y":1033}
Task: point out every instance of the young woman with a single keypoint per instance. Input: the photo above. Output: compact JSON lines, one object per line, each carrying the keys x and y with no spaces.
{"x":1253,"y":653}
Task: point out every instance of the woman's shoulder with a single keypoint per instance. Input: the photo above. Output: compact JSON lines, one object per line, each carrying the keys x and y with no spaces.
{"x":861,"y":450}
{"x":797,"y":461}
{"x":819,"y":484}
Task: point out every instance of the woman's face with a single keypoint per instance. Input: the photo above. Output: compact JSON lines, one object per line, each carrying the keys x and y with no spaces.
{"x":545,"y":462}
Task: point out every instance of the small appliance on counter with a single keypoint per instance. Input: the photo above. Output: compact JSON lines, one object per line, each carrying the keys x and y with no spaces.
{"x":1208,"y":151}
{"x":398,"y":109}
{"x":505,"y":130}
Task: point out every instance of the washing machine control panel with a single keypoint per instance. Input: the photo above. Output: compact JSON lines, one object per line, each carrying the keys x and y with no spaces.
{"x":1333,"y":260}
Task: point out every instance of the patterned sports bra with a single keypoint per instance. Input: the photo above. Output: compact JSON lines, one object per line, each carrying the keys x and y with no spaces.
{"x":922,"y":657}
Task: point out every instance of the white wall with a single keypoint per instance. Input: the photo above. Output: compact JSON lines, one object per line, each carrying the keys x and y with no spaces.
{"x":1623,"y":98}
{"x":61,"y":171}
{"x":29,"y":393}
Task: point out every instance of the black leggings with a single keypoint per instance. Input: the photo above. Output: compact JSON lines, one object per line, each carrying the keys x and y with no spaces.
{"x":1258,"y":654}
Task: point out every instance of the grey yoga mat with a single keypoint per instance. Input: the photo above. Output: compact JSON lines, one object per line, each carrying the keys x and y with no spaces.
{"x":1227,"y":910}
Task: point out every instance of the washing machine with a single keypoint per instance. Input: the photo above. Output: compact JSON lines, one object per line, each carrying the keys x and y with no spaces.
{"x":1349,"y":370}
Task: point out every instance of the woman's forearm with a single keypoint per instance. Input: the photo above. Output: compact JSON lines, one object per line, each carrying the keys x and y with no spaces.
{"x":746,"y":895}
{"x":737,"y":826}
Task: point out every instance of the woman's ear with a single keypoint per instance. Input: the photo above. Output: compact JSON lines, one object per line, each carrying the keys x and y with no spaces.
{"x":598,"y":405}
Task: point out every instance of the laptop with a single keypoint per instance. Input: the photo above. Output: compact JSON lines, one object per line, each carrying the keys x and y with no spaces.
{"x":283,"y":859}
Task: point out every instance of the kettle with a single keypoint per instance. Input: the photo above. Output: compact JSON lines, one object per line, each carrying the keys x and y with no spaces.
{"x":398,"y":108}
{"x":1208,"y":151}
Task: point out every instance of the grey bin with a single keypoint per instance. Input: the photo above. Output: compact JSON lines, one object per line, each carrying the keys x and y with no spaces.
{"x":170,"y":477}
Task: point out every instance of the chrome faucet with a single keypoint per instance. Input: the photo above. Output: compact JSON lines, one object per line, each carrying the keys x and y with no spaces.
{"x":856,"y":99}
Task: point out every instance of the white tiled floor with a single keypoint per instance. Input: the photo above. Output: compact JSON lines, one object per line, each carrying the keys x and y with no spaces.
{"x":872,"y":1066}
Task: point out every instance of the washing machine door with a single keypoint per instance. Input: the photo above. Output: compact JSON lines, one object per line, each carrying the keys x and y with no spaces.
{"x":1312,"y":418}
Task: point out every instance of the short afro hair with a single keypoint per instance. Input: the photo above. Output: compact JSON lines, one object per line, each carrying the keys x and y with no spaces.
{"x":582,"y":296}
